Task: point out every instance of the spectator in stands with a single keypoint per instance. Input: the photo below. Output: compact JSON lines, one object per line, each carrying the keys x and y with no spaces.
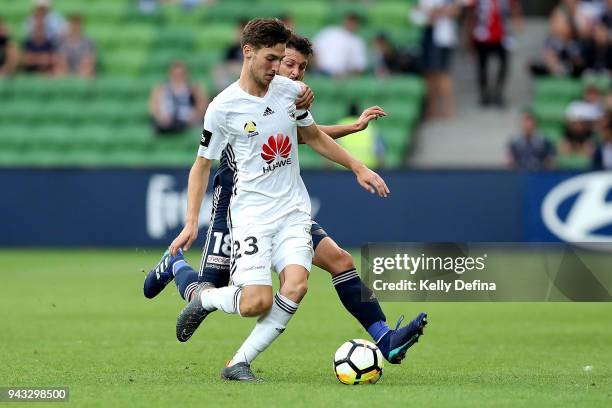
{"x":562,"y":52}
{"x":340,"y":51}
{"x":588,"y":13}
{"x":439,"y":39}
{"x":602,"y":158}
{"x":54,"y":22}
{"x":76,"y":54}
{"x":578,"y":137}
{"x":492,"y":36}
{"x":590,"y":110}
{"x":229,"y":70}
{"x":597,"y":50}
{"x":386,"y":60}
{"x":592,"y":103}
{"x":529,"y":150}
{"x":607,"y":103}
{"x":566,"y":10}
{"x":365,"y":145}
{"x":390,"y":60}
{"x":8,"y":51}
{"x":39,"y":51}
{"x":580,"y":14}
{"x":606,"y":17}
{"x":177,"y":104}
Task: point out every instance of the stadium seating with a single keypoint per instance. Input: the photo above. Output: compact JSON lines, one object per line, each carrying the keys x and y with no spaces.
{"x":551,"y":97}
{"x":71,"y":122}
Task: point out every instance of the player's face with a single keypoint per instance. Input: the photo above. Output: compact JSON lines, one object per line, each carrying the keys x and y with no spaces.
{"x":264,"y":63}
{"x":293,"y":65}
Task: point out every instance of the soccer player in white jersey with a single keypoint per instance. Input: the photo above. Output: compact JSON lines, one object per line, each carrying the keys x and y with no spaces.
{"x":328,"y":255}
{"x":269,"y":214}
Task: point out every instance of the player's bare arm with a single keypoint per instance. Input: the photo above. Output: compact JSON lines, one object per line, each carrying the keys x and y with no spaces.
{"x":198,"y":181}
{"x":338,"y":131}
{"x":305,"y":100}
{"x":327,"y":147}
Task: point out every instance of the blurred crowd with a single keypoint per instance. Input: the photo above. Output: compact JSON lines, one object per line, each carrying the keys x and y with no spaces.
{"x":586,"y":141}
{"x":53,"y":45}
{"x":578,"y":44}
{"x":484,"y":27}
{"x":578,"y":41}
{"x":339,"y":52}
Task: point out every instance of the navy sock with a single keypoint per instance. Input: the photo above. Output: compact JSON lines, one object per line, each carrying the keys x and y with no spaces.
{"x":349,"y":286}
{"x":185,"y":277}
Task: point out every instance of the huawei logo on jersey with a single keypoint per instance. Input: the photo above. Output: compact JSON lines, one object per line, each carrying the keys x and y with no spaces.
{"x":276,"y":146}
{"x":281,"y":145}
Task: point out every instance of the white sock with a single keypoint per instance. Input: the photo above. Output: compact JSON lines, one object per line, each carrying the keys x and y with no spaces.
{"x":267,"y":329}
{"x":226,"y":299}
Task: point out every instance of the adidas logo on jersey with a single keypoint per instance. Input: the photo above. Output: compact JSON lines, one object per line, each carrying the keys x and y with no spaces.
{"x":268,"y":111}
{"x":276,"y":146}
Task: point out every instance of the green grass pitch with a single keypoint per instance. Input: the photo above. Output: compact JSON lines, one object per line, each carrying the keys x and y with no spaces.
{"x":78,"y":318}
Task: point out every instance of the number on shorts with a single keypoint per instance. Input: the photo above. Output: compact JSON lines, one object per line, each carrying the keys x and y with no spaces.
{"x":250,"y":250}
{"x":237,"y":250}
{"x":223,"y":243}
{"x":252,"y":246}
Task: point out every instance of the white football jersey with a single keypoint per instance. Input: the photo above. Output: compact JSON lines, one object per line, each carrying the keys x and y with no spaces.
{"x":259,"y":137}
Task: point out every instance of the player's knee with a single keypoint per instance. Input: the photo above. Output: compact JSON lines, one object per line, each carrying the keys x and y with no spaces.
{"x":295,"y":290}
{"x":301,"y":289}
{"x":263,"y":305}
{"x":255,"y":306}
{"x":341,"y":261}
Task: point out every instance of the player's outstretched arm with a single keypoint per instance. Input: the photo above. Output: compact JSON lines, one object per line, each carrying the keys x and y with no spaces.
{"x":327,"y":147}
{"x":338,"y":131}
{"x":196,"y":187}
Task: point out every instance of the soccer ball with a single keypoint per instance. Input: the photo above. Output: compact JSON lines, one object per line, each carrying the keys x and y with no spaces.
{"x":358,"y":362}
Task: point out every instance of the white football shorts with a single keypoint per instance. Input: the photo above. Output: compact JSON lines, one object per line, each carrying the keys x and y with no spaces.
{"x":257,"y":248}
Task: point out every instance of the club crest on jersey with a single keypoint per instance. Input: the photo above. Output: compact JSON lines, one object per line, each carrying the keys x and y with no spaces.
{"x":277,"y":149}
{"x":251,"y":128}
{"x":291,"y":112}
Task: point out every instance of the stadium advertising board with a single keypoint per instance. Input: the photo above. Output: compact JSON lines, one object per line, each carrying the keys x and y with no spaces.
{"x":143,"y":207}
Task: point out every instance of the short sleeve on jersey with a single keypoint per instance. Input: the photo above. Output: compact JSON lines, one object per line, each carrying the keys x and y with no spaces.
{"x":303,"y":118}
{"x":214,"y":138}
{"x":293,"y":88}
{"x":297,"y":87}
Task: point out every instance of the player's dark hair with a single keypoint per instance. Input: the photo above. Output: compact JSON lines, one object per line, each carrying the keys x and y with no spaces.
{"x":264,"y":32}
{"x":300,"y":44}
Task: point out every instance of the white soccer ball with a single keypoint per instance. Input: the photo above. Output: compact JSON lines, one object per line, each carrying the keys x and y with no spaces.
{"x":358,"y":362}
